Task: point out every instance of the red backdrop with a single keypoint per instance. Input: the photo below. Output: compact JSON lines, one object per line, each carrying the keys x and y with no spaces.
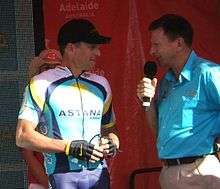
{"x":122,"y":61}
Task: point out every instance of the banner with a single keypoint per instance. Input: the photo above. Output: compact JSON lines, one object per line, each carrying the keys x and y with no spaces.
{"x":122,"y":61}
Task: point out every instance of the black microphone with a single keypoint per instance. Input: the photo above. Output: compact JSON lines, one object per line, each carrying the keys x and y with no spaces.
{"x":150,"y":70}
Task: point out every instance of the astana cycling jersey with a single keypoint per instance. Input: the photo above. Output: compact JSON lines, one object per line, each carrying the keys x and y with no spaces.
{"x":69,"y":108}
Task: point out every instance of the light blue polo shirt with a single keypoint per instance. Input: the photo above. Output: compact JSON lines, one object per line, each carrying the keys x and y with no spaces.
{"x":189,"y":110}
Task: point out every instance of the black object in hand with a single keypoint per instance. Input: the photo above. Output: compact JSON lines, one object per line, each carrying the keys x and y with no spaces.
{"x":150,"y":70}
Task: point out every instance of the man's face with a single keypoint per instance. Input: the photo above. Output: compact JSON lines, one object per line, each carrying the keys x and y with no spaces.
{"x":162,"y":48}
{"x":85,"y":55}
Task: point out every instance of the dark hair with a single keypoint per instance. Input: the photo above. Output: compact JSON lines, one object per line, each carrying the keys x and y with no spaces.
{"x":174,"y":26}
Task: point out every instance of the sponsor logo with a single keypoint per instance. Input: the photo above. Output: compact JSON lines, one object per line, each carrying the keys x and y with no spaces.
{"x":79,"y":8}
{"x":42,"y":128}
{"x":97,"y":71}
{"x":91,"y":114}
{"x":191,"y":93}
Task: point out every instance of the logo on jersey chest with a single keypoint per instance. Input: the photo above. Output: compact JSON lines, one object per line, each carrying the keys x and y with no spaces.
{"x":91,"y":114}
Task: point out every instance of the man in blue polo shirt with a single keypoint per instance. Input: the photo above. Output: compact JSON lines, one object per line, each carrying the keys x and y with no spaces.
{"x":186,"y":112}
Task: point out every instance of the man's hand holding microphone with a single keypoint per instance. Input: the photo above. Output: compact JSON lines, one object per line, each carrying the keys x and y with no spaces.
{"x":147,"y":86}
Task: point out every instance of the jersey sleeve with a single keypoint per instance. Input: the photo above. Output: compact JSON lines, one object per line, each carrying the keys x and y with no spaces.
{"x":108,"y":117}
{"x":33,"y":101}
{"x":28,"y":110}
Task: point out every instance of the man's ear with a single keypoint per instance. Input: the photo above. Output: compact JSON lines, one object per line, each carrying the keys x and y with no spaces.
{"x":70,"y":48}
{"x":180,"y":43}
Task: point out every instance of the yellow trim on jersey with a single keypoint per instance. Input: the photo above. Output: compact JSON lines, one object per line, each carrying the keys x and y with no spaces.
{"x":107,"y":104}
{"x":109,"y":125}
{"x":34,"y":90}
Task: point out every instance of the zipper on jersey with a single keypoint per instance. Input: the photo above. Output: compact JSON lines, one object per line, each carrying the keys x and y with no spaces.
{"x":82,"y":109}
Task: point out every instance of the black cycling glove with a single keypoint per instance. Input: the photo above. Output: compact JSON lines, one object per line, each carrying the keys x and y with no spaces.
{"x":112,"y":148}
{"x":81,"y":149}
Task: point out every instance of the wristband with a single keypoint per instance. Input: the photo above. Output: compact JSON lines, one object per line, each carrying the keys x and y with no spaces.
{"x":67,"y":149}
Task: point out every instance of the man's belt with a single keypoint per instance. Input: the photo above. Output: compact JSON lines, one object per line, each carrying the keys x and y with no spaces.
{"x":184,"y":160}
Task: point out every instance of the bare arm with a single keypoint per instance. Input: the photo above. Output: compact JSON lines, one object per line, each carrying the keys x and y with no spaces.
{"x":27,"y":137}
{"x":35,"y":167}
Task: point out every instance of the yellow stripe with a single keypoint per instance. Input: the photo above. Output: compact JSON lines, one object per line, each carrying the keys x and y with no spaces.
{"x":109,"y":125}
{"x":35,"y":94}
{"x":67,"y":149}
{"x":81,"y":153}
{"x":107,"y":104}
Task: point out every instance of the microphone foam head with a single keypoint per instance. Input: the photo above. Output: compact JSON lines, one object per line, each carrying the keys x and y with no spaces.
{"x":150,"y":69}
